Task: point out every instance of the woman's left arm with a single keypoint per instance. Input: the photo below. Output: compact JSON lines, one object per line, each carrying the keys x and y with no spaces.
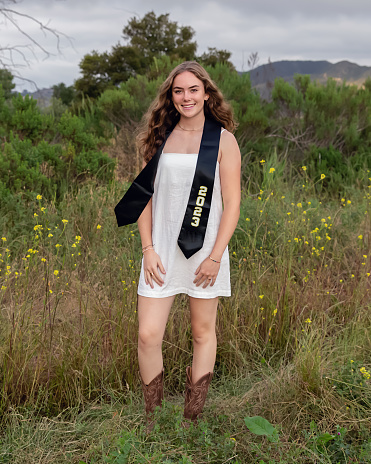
{"x":230,"y":179}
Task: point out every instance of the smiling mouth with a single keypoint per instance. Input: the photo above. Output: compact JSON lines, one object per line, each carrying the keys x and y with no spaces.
{"x":188,"y":106}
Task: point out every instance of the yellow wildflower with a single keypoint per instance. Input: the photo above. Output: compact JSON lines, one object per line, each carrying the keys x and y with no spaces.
{"x":39,"y":197}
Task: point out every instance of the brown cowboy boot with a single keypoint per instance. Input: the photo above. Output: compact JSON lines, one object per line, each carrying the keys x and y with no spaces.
{"x":153,"y":395}
{"x":195,"y":395}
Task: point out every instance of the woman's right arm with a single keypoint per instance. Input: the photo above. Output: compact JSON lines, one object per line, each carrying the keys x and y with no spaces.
{"x":151,"y":260}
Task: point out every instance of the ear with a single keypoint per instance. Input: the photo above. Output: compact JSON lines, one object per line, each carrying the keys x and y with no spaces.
{"x":206,"y":97}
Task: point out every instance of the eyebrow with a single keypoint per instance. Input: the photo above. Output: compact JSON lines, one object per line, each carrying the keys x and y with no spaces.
{"x":191,"y":87}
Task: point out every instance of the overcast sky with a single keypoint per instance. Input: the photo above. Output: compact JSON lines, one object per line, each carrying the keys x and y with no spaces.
{"x":332,"y":30}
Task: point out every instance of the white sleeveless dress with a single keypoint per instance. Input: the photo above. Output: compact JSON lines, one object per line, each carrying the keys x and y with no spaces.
{"x":172,"y":187}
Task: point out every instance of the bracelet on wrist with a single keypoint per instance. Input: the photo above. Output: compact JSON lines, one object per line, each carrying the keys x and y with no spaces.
{"x":148,"y":247}
{"x":215,"y":261}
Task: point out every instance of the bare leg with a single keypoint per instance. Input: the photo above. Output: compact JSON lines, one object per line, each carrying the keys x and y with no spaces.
{"x":153,"y":314}
{"x":203,"y":320}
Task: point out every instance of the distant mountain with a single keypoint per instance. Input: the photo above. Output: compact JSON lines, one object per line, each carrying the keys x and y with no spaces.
{"x":262,"y":77}
{"x":43,"y":96}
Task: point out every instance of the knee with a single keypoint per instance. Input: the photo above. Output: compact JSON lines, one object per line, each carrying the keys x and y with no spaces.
{"x":149,"y":337}
{"x":203,"y":335}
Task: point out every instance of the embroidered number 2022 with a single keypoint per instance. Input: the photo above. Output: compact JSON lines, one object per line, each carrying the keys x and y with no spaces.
{"x":198,"y":209}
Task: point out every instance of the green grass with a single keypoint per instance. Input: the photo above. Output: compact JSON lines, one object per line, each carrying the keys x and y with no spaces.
{"x":294,"y":340}
{"x":110,"y":429}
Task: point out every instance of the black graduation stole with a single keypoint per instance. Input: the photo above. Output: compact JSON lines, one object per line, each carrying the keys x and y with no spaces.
{"x":192,"y":233}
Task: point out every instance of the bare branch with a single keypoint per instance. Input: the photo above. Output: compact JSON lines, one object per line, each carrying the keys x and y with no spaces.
{"x":11,"y":54}
{"x":6,"y":12}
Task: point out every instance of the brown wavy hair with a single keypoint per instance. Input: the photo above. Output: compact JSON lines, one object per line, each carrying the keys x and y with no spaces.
{"x":162,"y":115}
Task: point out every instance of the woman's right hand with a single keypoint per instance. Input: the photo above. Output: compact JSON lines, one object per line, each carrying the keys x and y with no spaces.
{"x":151,"y":266}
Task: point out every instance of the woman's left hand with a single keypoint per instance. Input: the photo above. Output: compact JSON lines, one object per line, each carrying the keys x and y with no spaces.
{"x":206,"y":273}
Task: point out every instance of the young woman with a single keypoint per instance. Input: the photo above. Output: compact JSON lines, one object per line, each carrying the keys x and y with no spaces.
{"x":186,"y":97}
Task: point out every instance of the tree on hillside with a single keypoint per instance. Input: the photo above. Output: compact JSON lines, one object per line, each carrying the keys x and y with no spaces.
{"x":214,"y":56}
{"x":64,"y":93}
{"x":6,"y":81}
{"x":155,"y":36}
{"x":146,"y":38}
{"x":17,"y":55}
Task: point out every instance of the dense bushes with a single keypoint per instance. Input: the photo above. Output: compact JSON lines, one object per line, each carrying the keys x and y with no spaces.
{"x":325,"y":128}
{"x":41,"y":155}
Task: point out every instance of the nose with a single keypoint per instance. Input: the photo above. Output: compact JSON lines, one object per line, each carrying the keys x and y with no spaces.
{"x":187,"y":96}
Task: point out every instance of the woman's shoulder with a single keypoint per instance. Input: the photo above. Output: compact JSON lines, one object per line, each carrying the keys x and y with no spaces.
{"x":228,"y":145}
{"x":227,"y":138}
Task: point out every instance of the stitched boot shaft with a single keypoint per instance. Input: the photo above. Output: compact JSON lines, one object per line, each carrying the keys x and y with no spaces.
{"x":153,"y":395}
{"x":195,"y":395}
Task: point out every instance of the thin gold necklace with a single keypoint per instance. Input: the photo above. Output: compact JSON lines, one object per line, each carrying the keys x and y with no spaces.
{"x":189,"y":130}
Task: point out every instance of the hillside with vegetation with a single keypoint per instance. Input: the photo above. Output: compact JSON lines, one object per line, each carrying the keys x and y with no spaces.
{"x":263,"y":77}
{"x":320,"y":71}
{"x":292,"y":377}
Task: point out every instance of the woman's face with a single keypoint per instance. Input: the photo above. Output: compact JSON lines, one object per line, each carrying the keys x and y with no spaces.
{"x":188,"y":94}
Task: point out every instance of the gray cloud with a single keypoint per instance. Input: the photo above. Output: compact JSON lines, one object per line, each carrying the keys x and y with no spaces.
{"x":288,"y":29}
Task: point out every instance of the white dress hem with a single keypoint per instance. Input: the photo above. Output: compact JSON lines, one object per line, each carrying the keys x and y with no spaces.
{"x":186,"y":291}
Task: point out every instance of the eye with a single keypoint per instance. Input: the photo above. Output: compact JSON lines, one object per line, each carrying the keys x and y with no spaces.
{"x":177,"y":91}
